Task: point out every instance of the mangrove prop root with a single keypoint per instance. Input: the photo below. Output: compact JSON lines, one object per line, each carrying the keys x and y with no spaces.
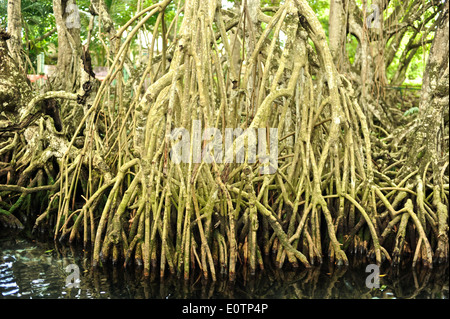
{"x":123,"y":191}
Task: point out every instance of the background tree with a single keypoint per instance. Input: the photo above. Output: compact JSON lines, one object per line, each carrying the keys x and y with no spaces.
{"x":428,"y":144}
{"x":15,"y":30}
{"x":68,"y":23}
{"x":386,"y":32}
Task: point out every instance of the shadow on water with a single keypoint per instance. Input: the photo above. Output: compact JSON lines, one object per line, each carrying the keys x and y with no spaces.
{"x":30,"y":268}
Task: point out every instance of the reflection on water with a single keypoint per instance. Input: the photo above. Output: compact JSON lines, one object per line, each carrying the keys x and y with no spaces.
{"x":33,"y":269}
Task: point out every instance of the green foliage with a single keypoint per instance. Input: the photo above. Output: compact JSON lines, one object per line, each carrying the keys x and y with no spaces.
{"x":3,"y":13}
{"x":411,"y":111}
{"x":38,"y":19}
{"x":322,"y":10}
{"x":351,"y":47}
{"x":416,"y":67}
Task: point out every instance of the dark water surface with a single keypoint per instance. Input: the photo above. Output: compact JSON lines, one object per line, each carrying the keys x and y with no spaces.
{"x":32,"y":269}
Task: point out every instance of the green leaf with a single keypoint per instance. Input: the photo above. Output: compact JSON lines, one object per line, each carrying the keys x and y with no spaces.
{"x":411,"y":111}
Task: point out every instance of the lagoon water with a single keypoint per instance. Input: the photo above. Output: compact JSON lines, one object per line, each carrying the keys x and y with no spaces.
{"x":33,"y":269}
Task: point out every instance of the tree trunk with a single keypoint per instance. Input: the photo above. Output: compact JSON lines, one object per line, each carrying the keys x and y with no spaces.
{"x":15,"y":30}
{"x":100,"y":9}
{"x":427,"y":143}
{"x":15,"y":90}
{"x":428,"y":139}
{"x":69,"y":44}
{"x":368,"y":69}
{"x":338,"y":33}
